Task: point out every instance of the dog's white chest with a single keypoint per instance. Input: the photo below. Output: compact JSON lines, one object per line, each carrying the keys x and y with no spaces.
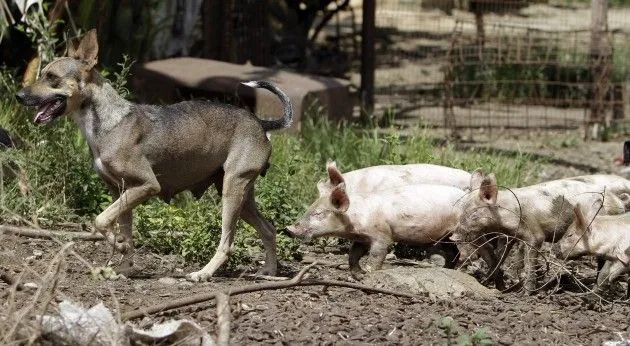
{"x":100,"y":168}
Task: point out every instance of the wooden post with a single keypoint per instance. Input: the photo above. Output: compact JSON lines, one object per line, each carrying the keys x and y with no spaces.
{"x":213,"y":22}
{"x":368,"y":57}
{"x":600,"y":66}
{"x":449,"y":113}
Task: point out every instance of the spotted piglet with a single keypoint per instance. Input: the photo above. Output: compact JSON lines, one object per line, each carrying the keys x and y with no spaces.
{"x":604,"y":236}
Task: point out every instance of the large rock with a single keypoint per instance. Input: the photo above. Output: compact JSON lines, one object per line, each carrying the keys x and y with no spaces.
{"x":440,"y":283}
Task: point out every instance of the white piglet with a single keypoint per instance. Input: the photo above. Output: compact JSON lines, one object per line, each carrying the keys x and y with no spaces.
{"x":413,"y":214}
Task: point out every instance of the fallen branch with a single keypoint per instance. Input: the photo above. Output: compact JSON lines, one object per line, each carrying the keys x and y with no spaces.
{"x":295,"y":282}
{"x":223,"y":319}
{"x":47,"y":234}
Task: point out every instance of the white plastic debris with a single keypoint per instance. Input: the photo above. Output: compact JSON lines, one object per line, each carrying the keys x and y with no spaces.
{"x":31,"y":286}
{"x":97,"y":326}
{"x":617,"y":343}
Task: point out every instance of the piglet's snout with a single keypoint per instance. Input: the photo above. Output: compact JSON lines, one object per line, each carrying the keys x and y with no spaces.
{"x":556,"y":251}
{"x":289,"y":231}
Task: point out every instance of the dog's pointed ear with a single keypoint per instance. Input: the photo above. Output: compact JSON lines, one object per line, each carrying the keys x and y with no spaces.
{"x":86,"y":49}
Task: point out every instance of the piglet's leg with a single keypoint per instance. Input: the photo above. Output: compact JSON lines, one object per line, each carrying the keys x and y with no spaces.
{"x":357,"y":250}
{"x":495,"y":273}
{"x":530,"y":262}
{"x":603,"y":271}
{"x":615,"y":269}
{"x":378,"y":252}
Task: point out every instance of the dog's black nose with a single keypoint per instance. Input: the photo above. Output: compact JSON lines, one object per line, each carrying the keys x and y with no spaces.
{"x":20,"y":96}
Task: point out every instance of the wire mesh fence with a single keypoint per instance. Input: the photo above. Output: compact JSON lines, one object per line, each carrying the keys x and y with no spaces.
{"x":493,"y":64}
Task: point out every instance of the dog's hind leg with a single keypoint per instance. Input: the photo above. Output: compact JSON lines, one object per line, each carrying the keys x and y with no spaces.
{"x":266,"y":231}
{"x":235,"y":187}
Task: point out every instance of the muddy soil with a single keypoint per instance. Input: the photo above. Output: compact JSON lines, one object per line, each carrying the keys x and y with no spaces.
{"x":314,"y":315}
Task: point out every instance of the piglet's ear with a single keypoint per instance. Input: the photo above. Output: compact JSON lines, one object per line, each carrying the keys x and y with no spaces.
{"x":488,"y":189}
{"x":580,"y":220}
{"x":339,"y":198}
{"x":334,"y":174}
{"x":476,"y":177}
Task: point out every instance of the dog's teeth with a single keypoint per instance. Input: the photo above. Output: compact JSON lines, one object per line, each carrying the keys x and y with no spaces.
{"x":40,"y":113}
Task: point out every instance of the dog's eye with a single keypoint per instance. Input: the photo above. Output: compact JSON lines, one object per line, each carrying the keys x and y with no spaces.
{"x":53,"y":79}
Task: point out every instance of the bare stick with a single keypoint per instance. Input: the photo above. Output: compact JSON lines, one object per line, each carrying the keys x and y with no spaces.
{"x":47,"y":234}
{"x":296,"y":281}
{"x":258,"y":287}
{"x":223,"y":319}
{"x":212,"y":295}
{"x":54,"y":236}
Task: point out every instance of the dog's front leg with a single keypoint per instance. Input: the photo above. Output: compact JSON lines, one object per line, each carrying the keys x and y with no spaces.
{"x":120,"y":210}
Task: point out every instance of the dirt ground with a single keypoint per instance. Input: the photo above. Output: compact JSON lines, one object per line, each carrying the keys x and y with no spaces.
{"x":563,"y":314}
{"x":311,"y":315}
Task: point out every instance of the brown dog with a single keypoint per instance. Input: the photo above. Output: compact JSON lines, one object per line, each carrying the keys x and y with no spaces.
{"x":141,"y":151}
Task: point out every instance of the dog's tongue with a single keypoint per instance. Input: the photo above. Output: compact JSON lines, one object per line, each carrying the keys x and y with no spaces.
{"x":42,"y":111}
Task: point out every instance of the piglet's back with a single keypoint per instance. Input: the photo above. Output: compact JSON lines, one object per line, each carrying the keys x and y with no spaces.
{"x":378,"y":178}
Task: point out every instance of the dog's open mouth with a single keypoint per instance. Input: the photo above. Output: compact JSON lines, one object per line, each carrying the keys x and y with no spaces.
{"x":50,"y":110}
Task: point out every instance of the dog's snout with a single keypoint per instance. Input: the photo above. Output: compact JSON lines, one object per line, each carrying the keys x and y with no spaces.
{"x":20,"y":96}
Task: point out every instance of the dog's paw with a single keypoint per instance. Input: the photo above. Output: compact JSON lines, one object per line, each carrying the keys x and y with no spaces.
{"x":122,"y":244}
{"x":358,"y":275}
{"x":198,"y":276}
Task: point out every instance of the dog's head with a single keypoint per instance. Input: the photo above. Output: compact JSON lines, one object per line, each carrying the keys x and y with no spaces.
{"x":61,"y":87}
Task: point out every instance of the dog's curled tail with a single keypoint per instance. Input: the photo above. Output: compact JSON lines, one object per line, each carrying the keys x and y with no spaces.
{"x":287,"y":118}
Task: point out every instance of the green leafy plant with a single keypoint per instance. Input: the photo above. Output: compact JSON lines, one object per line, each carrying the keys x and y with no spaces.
{"x":450,"y":329}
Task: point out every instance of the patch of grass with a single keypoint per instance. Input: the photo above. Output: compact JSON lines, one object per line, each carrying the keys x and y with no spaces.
{"x":450,"y":329}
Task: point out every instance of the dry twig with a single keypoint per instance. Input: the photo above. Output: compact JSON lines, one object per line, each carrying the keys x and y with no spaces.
{"x":295,"y":282}
{"x":223,"y":319}
{"x":47,"y":234}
